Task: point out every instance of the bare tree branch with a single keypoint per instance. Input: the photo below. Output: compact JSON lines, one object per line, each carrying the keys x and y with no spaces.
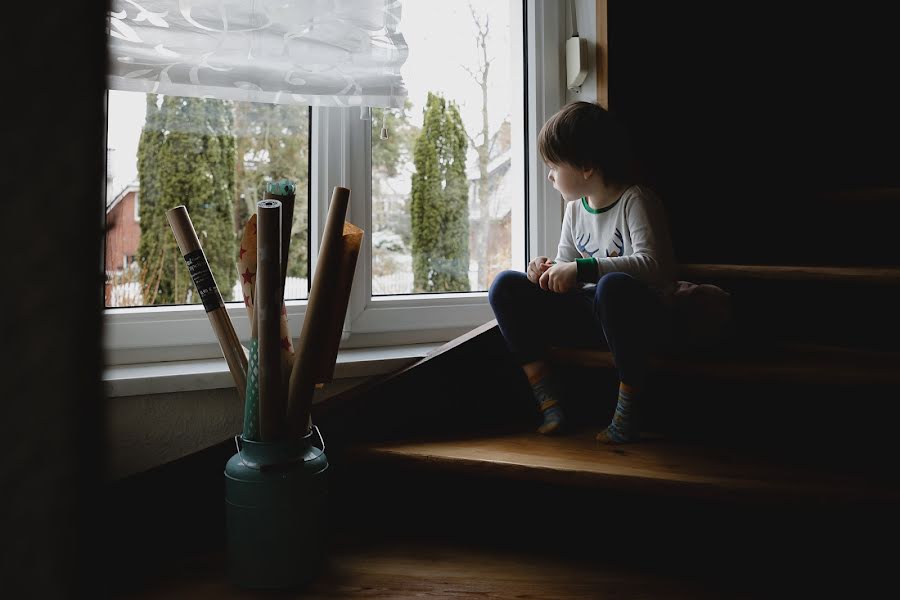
{"x":493,"y":143}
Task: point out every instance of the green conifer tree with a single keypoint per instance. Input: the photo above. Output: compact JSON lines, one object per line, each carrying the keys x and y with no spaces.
{"x":439,"y":204}
{"x":186,"y":156}
{"x":273,"y":144}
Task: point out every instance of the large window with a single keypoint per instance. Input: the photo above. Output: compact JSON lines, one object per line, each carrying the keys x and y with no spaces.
{"x":441,"y":187}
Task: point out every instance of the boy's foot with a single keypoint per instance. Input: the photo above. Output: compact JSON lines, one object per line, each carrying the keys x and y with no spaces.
{"x":547,"y":397}
{"x":623,"y":428}
{"x":553,"y":418}
{"x":611,"y":435}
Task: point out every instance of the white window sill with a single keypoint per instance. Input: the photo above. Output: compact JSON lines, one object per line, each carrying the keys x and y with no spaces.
{"x":210,"y":374}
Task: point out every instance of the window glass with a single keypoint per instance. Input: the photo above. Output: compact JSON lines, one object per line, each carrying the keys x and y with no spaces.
{"x":213,"y":156}
{"x":446,"y":175}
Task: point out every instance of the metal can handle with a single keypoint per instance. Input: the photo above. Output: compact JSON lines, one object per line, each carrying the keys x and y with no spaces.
{"x":237,"y":440}
{"x":321,"y":439}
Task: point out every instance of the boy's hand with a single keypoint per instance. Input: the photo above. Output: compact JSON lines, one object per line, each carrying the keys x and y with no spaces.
{"x":536,"y":268}
{"x":560,"y":278}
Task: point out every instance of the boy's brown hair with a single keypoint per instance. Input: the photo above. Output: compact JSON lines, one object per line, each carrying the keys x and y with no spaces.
{"x":586,"y":135}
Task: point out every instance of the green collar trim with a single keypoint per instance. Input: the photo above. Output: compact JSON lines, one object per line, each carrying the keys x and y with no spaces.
{"x":597,"y":211}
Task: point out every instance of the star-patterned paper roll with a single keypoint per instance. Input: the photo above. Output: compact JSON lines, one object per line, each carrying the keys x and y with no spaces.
{"x":247,"y":270}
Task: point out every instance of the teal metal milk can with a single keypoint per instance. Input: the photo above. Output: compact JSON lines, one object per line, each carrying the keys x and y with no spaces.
{"x":276,"y":501}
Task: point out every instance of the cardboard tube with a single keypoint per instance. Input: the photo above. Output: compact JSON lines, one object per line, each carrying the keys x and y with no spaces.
{"x":272,"y":412}
{"x":198,"y":267}
{"x":325,"y":310}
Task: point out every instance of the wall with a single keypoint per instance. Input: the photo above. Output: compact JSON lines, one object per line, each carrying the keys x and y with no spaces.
{"x":150,"y":430}
{"x":585,"y":14}
{"x":52,"y":214}
{"x":771,"y":132}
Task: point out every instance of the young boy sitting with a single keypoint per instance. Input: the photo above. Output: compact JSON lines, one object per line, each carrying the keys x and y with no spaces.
{"x":613,"y":276}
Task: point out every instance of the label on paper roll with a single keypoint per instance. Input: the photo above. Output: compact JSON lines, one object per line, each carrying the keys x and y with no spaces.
{"x":203,"y":280}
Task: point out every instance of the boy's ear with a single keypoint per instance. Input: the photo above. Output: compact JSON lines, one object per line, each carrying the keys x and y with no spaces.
{"x":587,"y":173}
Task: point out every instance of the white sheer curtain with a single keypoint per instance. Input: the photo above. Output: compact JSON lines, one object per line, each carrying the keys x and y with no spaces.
{"x":315,"y":52}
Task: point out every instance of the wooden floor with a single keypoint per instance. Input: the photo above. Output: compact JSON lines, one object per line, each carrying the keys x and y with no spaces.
{"x":601,"y":553}
{"x":430,"y":570}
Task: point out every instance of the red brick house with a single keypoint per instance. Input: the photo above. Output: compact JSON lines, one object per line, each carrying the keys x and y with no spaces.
{"x":123,"y":233}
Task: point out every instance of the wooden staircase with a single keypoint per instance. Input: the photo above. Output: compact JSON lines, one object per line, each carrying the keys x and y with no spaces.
{"x":757,"y":449}
{"x":766,"y":470}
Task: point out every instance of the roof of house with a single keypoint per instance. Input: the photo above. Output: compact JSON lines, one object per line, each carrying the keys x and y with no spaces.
{"x":473,"y":174}
{"x":131,"y":187}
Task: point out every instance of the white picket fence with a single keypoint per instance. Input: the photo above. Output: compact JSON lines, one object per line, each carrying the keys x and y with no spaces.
{"x":398,"y":282}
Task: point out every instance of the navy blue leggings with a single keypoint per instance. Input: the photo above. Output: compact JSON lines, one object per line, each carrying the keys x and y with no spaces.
{"x":622,"y":314}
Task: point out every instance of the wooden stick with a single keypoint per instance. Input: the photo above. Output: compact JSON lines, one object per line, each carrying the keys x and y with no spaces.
{"x":198,"y":267}
{"x":268,"y":313}
{"x":341,"y":280}
{"x":325,"y":312}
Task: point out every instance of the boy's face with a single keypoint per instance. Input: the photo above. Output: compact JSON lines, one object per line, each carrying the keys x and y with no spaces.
{"x":568,"y":180}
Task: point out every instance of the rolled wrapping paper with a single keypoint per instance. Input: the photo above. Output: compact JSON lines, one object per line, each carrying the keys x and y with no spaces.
{"x":247,"y":266}
{"x":325,"y":310}
{"x":251,"y":397}
{"x":284,"y":191}
{"x":267,"y":310}
{"x":247,"y":269}
{"x":247,"y":272}
{"x":198,"y":267}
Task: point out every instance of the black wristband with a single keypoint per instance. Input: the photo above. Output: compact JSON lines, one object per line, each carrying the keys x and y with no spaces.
{"x":588,"y":270}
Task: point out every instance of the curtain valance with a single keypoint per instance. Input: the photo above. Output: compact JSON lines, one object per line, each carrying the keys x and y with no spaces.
{"x":316,"y":52}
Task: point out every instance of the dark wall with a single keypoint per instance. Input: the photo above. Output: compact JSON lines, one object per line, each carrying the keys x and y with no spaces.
{"x":52,"y":162}
{"x":771,"y":132}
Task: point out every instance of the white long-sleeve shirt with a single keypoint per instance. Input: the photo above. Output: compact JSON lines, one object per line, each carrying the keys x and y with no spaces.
{"x":629,"y":236}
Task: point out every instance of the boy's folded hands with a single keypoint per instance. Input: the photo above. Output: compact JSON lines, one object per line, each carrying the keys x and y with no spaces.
{"x":559,"y":277}
{"x":536,"y":268}
{"x":551,"y":276}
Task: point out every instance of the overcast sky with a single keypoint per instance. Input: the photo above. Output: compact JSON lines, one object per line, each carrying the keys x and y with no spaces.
{"x":441,"y":39}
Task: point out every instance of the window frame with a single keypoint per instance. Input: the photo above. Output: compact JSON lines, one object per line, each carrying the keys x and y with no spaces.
{"x":337,"y":136}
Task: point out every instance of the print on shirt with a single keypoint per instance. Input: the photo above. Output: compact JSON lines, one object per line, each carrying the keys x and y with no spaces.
{"x":618,"y":243}
{"x":581,"y":243}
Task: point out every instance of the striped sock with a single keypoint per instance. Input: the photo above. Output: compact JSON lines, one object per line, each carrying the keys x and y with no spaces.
{"x":547,"y":398}
{"x":623,"y":427}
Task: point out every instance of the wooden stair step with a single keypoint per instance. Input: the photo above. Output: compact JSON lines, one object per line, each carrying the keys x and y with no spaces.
{"x":794,"y":363}
{"x":877,"y":275}
{"x":654,"y":465}
{"x":839,"y":305}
